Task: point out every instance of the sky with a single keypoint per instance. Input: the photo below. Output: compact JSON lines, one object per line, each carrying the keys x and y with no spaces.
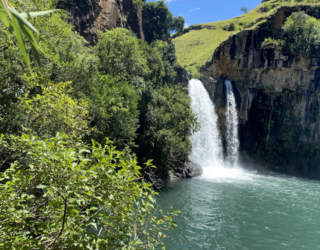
{"x":206,"y":11}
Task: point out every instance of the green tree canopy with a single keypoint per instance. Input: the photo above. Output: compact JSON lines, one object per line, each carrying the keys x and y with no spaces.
{"x":160,"y":22}
{"x":167,"y":122}
{"x":301,"y":33}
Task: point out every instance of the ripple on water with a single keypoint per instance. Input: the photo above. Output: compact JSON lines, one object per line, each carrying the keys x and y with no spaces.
{"x":237,"y":209}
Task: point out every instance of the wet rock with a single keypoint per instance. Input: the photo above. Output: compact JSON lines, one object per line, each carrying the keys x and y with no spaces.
{"x":190,"y":170}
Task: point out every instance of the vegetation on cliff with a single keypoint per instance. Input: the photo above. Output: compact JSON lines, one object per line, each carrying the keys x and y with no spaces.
{"x":76,"y":132}
{"x":201,"y":43}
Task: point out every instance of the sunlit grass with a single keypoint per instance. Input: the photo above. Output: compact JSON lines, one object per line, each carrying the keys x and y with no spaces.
{"x":197,"y":46}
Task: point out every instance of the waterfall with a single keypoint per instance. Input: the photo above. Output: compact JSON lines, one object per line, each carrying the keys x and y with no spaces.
{"x":207,"y":147}
{"x":232,"y":136}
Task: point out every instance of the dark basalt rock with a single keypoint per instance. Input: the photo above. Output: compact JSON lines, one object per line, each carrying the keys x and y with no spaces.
{"x":90,"y":16}
{"x":190,"y":170}
{"x":183,"y":77}
{"x":277,"y":96}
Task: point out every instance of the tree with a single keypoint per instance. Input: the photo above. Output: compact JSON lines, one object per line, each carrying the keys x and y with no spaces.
{"x":59,"y":188}
{"x":114,"y":106}
{"x":159,"y":21}
{"x":178,"y":24}
{"x":244,"y":9}
{"x":167,"y":122}
{"x":53,"y":110}
{"x":301,"y":33}
{"x":72,"y":196}
{"x":21,"y":27}
{"x":64,"y":58}
{"x":121,"y":55}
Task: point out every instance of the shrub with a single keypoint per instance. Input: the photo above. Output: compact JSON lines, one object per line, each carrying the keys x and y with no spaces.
{"x":301,"y":33}
{"x":72,"y":196}
{"x":271,"y":42}
{"x":267,"y":7}
{"x":232,"y":27}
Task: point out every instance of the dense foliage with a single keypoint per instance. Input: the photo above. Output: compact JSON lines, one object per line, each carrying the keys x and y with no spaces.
{"x":300,"y":34}
{"x":63,"y":183}
{"x":159,"y":21}
{"x":166,"y":124}
{"x":73,"y":196}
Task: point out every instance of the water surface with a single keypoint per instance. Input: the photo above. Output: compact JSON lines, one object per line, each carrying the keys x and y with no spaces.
{"x":235,"y":209}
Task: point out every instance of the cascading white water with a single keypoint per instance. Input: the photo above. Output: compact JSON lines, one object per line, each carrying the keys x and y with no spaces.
{"x":232,"y":137}
{"x":207,"y":147}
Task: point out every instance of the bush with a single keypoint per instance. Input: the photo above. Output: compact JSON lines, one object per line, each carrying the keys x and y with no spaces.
{"x":267,"y":7}
{"x":167,"y":122}
{"x":232,"y":27}
{"x":271,"y":42}
{"x":72,"y":196}
{"x":301,"y":33}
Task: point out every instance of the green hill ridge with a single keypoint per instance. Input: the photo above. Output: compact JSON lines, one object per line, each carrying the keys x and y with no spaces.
{"x":195,"y":47}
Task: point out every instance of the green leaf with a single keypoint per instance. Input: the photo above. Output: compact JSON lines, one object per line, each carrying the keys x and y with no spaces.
{"x":21,"y":42}
{"x":41,"y":186}
{"x":19,"y":17}
{"x":34,"y":45}
{"x":36,"y":14}
{"x":3,"y":15}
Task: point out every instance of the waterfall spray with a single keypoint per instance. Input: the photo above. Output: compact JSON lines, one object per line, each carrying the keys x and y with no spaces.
{"x":232,"y":137}
{"x":207,"y":147}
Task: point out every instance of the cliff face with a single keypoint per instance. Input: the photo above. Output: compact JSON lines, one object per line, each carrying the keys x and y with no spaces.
{"x":89,"y":16}
{"x":277,"y":95}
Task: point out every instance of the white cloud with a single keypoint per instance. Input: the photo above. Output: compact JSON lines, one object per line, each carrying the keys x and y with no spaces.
{"x":186,"y":25}
{"x":193,"y":9}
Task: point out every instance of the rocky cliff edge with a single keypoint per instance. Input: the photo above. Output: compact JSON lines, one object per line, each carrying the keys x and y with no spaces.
{"x":277,"y":96}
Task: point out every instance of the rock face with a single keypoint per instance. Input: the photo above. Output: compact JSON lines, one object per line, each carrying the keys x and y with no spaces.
{"x":277,"y":95}
{"x":183,"y":77}
{"x":89,"y":16}
{"x":190,"y":170}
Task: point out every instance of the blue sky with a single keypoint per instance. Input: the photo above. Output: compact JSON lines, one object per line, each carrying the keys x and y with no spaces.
{"x":206,"y":11}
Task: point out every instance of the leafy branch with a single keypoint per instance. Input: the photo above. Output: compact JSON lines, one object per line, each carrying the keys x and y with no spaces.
{"x":21,"y":28}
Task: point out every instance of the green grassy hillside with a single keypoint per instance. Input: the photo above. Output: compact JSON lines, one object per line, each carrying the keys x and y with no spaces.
{"x":197,"y":46}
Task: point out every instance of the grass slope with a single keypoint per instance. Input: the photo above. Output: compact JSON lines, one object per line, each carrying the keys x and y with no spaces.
{"x":197,"y":46}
